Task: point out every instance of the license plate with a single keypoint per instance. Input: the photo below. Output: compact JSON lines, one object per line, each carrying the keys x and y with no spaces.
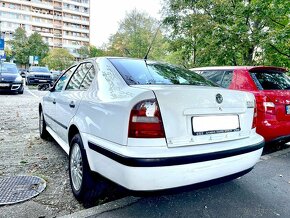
{"x":287,"y":109}
{"x":42,"y":80}
{"x":204,"y":125}
{"x":4,"y":84}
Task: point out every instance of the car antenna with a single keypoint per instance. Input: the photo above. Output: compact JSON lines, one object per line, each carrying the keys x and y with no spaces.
{"x":146,"y":56}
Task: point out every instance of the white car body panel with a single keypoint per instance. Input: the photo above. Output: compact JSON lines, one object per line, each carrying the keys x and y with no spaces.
{"x":102,"y":113}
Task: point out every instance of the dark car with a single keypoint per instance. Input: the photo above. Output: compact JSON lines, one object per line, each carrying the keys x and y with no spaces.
{"x":37,"y":75}
{"x":55,"y":74}
{"x":10,"y":79}
{"x":271,"y":87}
{"x":22,"y":72}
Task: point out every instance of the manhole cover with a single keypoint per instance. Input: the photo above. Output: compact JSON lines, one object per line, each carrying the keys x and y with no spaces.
{"x":20,"y":188}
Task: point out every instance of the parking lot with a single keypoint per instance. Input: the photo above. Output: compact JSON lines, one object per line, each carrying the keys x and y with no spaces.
{"x":263,"y":192}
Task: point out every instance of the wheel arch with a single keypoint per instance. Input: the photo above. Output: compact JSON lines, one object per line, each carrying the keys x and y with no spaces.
{"x":73,"y":130}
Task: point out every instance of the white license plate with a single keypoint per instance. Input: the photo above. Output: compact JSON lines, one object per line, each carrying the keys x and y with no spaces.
{"x":42,"y":80}
{"x":4,"y":84}
{"x":204,"y":125}
{"x":287,"y":109}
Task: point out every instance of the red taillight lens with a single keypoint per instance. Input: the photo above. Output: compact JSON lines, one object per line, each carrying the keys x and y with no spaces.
{"x":254,"y":125}
{"x":269,"y":107}
{"x":145,"y":120}
{"x":266,"y":105}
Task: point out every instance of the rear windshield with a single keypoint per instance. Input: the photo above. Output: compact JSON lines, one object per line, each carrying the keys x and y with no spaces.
{"x":8,"y":68}
{"x":39,"y":69}
{"x":138,"y":72}
{"x":271,"y":80}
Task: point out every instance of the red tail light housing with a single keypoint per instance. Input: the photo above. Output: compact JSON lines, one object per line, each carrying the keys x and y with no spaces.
{"x":254,"y":125}
{"x":266,"y":105}
{"x":145,"y":120}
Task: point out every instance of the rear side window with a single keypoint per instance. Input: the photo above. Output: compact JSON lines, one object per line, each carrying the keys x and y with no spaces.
{"x":214,"y":76}
{"x":271,"y":80}
{"x":220,"y":77}
{"x":140,"y":72}
{"x":82,"y":78}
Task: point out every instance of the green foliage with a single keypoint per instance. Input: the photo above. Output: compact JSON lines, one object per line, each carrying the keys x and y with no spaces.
{"x":22,"y":46}
{"x":36,"y":47}
{"x":9,"y":54}
{"x":58,"y":59}
{"x":90,"y":51}
{"x":134,"y":36}
{"x":221,"y":32}
{"x":19,"y":46}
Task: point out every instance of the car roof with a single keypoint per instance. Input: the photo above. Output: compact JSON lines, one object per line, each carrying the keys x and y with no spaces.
{"x":250,"y":68}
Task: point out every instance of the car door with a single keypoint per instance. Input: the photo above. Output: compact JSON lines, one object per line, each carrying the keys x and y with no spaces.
{"x":69,"y":99}
{"x":49,"y":101}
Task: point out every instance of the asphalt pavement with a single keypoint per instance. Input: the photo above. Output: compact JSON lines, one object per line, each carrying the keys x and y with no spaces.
{"x":264,"y":192}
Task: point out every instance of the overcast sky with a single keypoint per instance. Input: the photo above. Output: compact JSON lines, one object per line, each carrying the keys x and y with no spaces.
{"x":106,"y":14}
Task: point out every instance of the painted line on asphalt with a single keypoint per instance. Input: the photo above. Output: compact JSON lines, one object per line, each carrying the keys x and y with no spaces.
{"x":113,"y":205}
{"x":31,"y":93}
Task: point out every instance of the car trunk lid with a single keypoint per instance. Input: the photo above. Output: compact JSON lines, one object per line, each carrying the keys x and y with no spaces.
{"x":198,"y":115}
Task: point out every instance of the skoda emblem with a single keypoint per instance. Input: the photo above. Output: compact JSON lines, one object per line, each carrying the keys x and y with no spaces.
{"x":219,"y":98}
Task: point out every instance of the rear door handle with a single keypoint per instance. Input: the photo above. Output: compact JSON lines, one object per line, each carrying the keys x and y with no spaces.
{"x":72,"y":104}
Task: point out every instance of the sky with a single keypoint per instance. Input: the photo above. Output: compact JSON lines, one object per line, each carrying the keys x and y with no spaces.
{"x":106,"y":14}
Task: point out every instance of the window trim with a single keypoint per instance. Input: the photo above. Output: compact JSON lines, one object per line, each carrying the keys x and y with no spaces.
{"x":53,"y":88}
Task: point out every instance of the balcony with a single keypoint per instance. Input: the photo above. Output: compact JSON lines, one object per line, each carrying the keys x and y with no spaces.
{"x":57,"y":17}
{"x":57,"y":26}
{"x":57,"y":35}
{"x":57,"y":8}
{"x":58,"y":44}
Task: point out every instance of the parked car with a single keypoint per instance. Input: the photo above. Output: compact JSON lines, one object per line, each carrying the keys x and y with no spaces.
{"x":10,"y":79}
{"x":271,"y":87}
{"x":147,"y":125}
{"x":22,"y":72}
{"x":55,"y":74}
{"x":37,"y":75}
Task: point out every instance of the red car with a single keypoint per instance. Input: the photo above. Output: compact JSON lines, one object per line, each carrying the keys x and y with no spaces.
{"x":271,"y":87}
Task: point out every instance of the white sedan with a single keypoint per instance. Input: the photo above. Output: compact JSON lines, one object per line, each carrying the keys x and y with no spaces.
{"x":147,"y":126}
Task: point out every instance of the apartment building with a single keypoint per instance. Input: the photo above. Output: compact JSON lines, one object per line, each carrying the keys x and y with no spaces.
{"x":62,"y":23}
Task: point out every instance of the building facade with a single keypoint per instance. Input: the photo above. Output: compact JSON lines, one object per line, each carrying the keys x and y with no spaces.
{"x":62,"y":23}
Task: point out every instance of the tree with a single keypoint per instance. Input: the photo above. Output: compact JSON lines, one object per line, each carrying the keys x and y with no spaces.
{"x":36,"y":46}
{"x":90,"y":51}
{"x":134,"y":36}
{"x":19,"y":46}
{"x":58,"y":59}
{"x":22,"y":46}
{"x":219,"y":32}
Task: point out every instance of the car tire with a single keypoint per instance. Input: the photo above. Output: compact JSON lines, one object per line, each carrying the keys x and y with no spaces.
{"x":42,"y":127}
{"x":21,"y":91}
{"x":86,"y":186}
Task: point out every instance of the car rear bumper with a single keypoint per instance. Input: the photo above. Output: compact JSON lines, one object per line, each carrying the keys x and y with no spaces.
{"x":158,"y":173}
{"x":274,"y":131}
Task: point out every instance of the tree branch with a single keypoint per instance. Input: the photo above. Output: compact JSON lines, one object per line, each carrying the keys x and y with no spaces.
{"x":276,"y":22}
{"x":280,"y":52}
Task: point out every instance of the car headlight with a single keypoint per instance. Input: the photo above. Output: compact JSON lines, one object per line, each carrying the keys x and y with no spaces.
{"x":18,"y":79}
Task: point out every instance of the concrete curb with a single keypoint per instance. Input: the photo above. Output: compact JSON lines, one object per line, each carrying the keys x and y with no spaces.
{"x":113,"y":205}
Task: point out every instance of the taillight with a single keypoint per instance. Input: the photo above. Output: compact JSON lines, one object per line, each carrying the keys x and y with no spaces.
{"x":254,"y":125}
{"x":269,"y":106}
{"x":252,"y":104}
{"x":145,"y":120}
{"x":265,"y":105}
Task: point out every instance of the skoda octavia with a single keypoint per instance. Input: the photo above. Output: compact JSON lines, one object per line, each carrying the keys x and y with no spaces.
{"x":147,"y":126}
